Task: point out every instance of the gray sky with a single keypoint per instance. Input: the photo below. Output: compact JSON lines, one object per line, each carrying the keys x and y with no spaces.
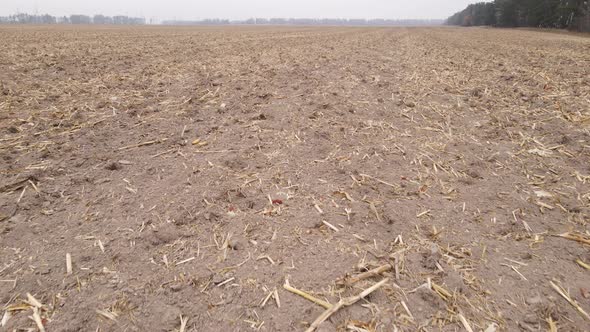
{"x":240,"y":9}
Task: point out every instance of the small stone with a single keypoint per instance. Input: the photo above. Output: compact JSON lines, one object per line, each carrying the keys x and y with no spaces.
{"x":113,"y":166}
{"x":533,"y":300}
{"x":386,"y":321}
{"x":531,"y":319}
{"x":235,"y":244}
{"x":176,"y":287}
{"x":492,"y":328}
{"x":164,"y":235}
{"x":44,"y":270}
{"x":211,"y":216}
{"x":218,"y":278}
{"x":17,"y":218}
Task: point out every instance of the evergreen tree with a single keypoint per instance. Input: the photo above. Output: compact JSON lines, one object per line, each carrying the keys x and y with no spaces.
{"x":571,"y":14}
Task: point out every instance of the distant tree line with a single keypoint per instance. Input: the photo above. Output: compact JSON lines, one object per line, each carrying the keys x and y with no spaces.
{"x":102,"y":19}
{"x":72,"y":19}
{"x":561,"y":14}
{"x":307,"y":21}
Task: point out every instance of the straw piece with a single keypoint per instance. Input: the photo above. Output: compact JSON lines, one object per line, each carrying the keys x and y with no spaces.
{"x":575,"y":237}
{"x":571,"y":301}
{"x":68,"y":263}
{"x":306,"y":296}
{"x":348,"y":281}
{"x":37,"y":318}
{"x":344,"y":303}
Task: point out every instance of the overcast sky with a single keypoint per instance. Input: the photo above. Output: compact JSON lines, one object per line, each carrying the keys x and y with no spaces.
{"x":240,"y":9}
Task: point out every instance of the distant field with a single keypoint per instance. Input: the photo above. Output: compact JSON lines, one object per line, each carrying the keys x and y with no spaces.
{"x":173,"y":178}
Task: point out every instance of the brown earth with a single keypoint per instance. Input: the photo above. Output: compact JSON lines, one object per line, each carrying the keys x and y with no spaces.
{"x":188,"y":172}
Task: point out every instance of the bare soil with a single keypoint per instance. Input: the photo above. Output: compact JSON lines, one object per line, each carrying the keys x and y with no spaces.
{"x":187,"y":173}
